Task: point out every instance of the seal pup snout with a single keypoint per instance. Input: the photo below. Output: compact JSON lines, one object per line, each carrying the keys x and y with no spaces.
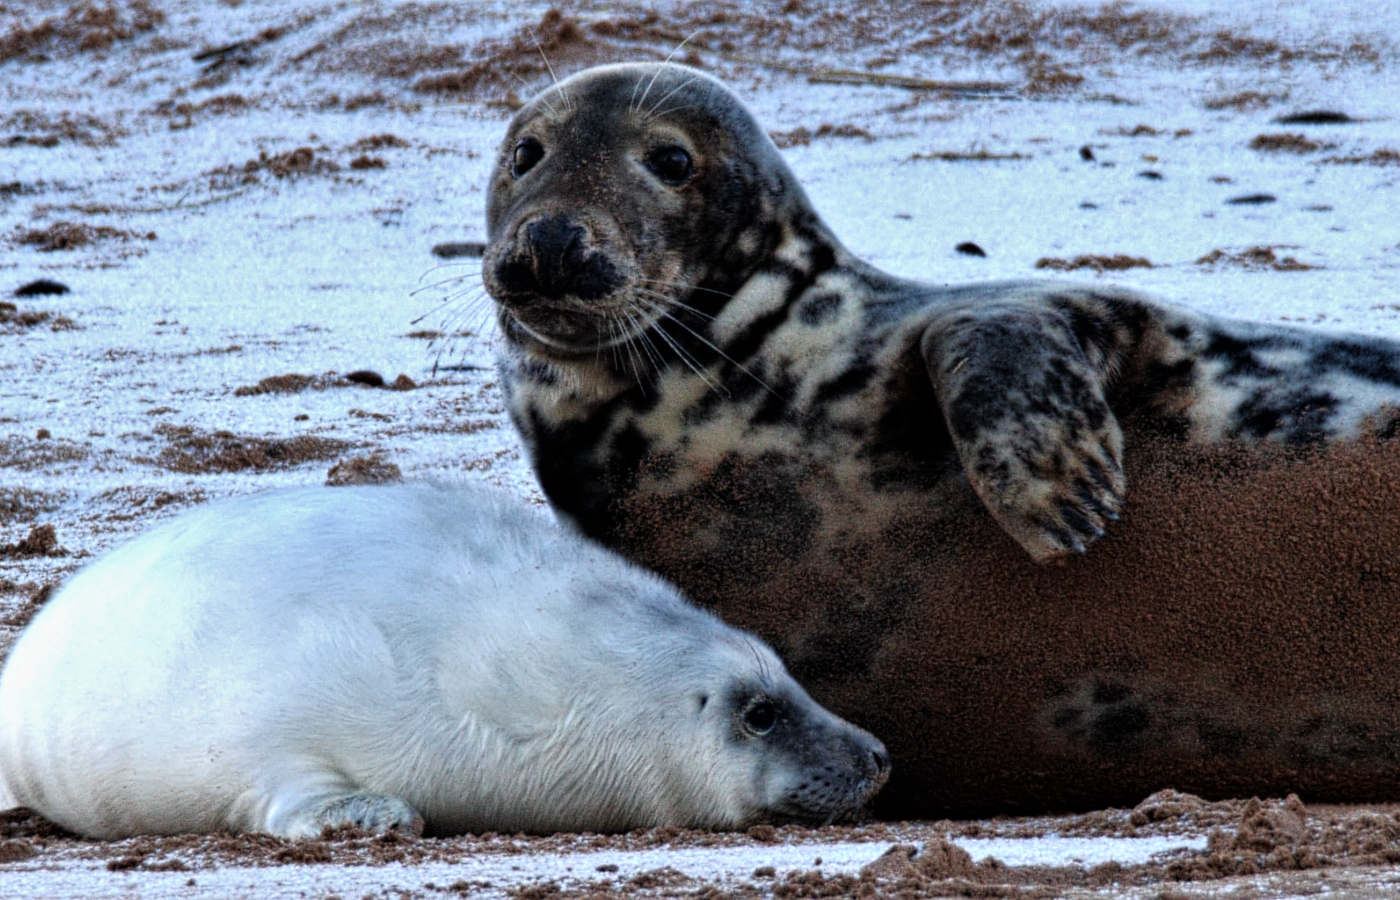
{"x":835,"y":767}
{"x":808,"y":765}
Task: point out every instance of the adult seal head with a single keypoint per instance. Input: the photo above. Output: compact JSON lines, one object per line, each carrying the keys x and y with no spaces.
{"x":596,"y":218}
{"x":868,"y":470}
{"x":398,"y":657}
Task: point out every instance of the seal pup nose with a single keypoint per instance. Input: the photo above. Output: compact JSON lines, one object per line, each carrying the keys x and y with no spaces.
{"x":880,"y":760}
{"x":872,"y":759}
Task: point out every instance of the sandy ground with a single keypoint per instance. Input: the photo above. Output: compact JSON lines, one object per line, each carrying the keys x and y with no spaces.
{"x":241,"y":200}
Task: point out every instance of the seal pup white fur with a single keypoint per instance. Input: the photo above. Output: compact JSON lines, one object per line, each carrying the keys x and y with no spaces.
{"x":390,"y":657}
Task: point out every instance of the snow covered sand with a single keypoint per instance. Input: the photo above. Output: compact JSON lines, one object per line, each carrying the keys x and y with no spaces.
{"x":268,"y":210}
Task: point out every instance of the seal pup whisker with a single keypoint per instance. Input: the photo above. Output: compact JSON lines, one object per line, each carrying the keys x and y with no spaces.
{"x":632,"y":101}
{"x":527,"y":88}
{"x":672,"y":110}
{"x":475,"y":269}
{"x":476,"y":312}
{"x":671,"y":303}
{"x":451,"y":297}
{"x":686,"y":357}
{"x":473,"y":321}
{"x":447,"y":300}
{"x":659,"y":304}
{"x":758,"y":658}
{"x":621,"y":344}
{"x":441,"y":304}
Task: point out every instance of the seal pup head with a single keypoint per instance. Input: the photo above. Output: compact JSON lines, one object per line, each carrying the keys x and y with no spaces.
{"x":743,"y":737}
{"x":690,"y":721}
{"x":622,"y":195}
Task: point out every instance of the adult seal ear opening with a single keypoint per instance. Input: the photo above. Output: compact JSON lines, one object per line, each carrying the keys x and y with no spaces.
{"x":403,"y":658}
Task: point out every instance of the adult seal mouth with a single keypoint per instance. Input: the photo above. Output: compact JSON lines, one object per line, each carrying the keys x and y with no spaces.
{"x":402,"y":658}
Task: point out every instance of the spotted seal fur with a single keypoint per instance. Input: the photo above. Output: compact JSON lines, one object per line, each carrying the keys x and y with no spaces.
{"x":390,"y":657}
{"x":708,"y":380}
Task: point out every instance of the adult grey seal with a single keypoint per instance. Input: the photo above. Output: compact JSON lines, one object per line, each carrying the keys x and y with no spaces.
{"x":395,"y":657}
{"x":865,"y":469}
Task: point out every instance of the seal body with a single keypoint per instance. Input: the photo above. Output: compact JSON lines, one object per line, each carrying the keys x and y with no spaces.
{"x":869,"y":470}
{"x":391,"y":657}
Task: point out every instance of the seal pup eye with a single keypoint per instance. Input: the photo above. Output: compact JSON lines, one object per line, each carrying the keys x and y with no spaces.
{"x":760,"y":717}
{"x":527,"y":153}
{"x":671,"y":164}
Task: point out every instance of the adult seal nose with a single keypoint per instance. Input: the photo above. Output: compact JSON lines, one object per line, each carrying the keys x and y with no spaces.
{"x":556,"y":246}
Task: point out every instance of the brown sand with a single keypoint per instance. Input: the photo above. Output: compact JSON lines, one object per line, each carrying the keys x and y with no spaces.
{"x":195,"y":452}
{"x":1231,"y":636}
{"x":1246,"y":838}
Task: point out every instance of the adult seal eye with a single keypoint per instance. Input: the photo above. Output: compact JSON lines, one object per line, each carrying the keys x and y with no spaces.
{"x":671,"y":164}
{"x":527,"y":153}
{"x":760,"y":717}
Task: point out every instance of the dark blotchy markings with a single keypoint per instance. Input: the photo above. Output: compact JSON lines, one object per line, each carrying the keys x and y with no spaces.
{"x":1301,"y":415}
{"x":910,"y":443}
{"x":851,"y":381}
{"x":767,"y":512}
{"x":1332,"y":739}
{"x":573,"y":475}
{"x":1374,"y":362}
{"x":627,"y":450}
{"x":1118,"y":727}
{"x":1238,"y":353}
{"x":1154,"y":391}
{"x":819,"y":307}
{"x":1389,"y":429}
{"x":1018,"y":372}
{"x":734,"y":266}
{"x":1114,"y":720}
{"x":1067,"y":388}
{"x":751,"y":338}
{"x":539,"y":372}
{"x":705,"y":409}
{"x":846,"y":643}
{"x":777,"y":406}
{"x":1093,"y":334}
{"x":744,"y":346}
{"x":1371,"y":361}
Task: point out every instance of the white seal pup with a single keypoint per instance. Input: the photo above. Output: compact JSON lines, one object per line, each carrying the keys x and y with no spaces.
{"x":401,"y":657}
